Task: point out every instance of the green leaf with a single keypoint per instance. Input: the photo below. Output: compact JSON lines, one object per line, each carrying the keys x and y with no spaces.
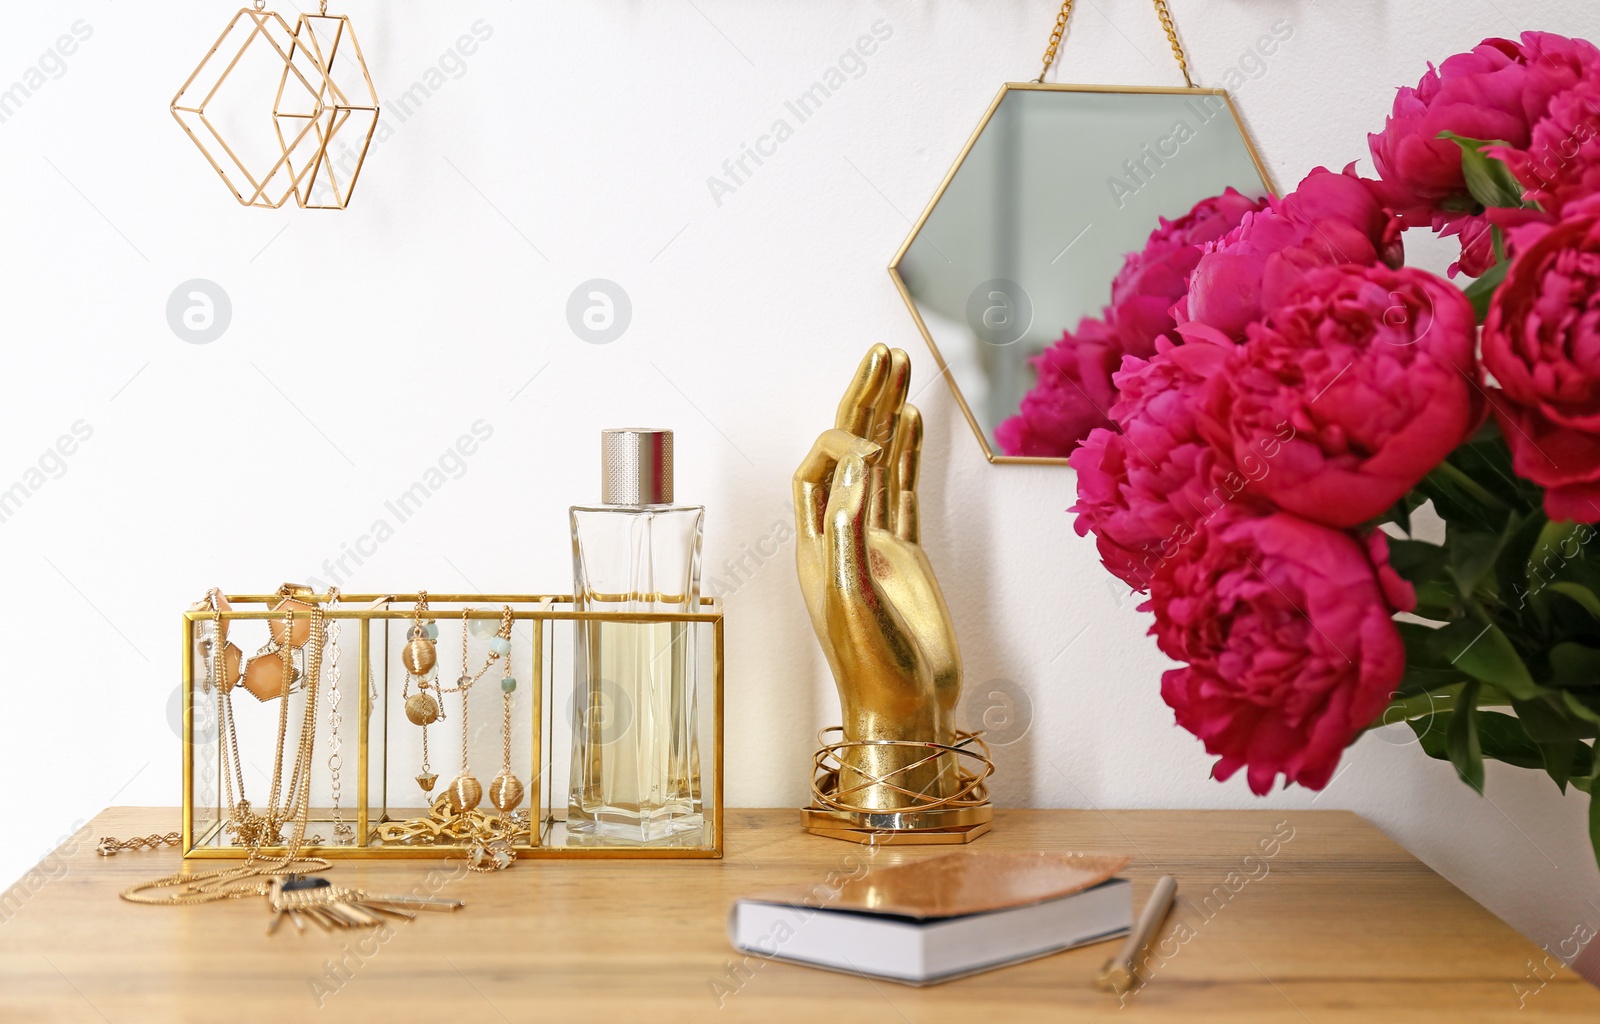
{"x":1570,"y":761}
{"x":1425,"y":649}
{"x":1503,"y":738}
{"x":1472,"y":554}
{"x":1585,"y":707}
{"x":1489,"y":179}
{"x":1418,"y":703}
{"x":1487,"y":655}
{"x":1558,"y":758}
{"x":1574,"y":665}
{"x":1457,"y":499}
{"x":1426,"y":567}
{"x":1461,"y":739}
{"x":1511,"y":568}
{"x":1481,"y":291}
{"x":1558,"y":544}
{"x":1547,"y":720}
{"x":1417,"y":560}
{"x":1430,"y":730}
{"x":1583,"y":765}
{"x":1486,"y":460}
{"x":1579,"y":593}
{"x":1444,"y":736}
{"x":1418,"y":680}
{"x":1559,"y":736}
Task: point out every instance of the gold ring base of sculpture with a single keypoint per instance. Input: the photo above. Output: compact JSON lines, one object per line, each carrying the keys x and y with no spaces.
{"x":958,"y":818}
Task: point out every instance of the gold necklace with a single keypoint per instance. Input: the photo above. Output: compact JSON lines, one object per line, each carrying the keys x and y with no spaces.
{"x":453,"y":820}
{"x":465,"y":790}
{"x":490,"y":841}
{"x":505,"y":792}
{"x":291,"y":893}
{"x":253,"y":877}
{"x":419,"y":658}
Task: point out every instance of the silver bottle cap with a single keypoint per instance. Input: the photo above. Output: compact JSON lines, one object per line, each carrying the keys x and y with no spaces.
{"x":636,"y":466}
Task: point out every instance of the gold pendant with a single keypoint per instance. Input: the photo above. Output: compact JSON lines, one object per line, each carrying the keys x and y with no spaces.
{"x":418,"y":656}
{"x":298,"y":633}
{"x":263,"y":677}
{"x":465,"y":793}
{"x":426,"y":781}
{"x":329,"y":906}
{"x":505,"y":792}
{"x":422,"y":709}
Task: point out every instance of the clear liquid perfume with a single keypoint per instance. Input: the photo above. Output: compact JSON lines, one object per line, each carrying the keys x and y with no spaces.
{"x":635,"y":746}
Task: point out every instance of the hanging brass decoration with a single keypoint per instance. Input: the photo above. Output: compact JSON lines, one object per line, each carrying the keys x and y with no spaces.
{"x":326,"y":50}
{"x":280,"y":112}
{"x":238,"y":100}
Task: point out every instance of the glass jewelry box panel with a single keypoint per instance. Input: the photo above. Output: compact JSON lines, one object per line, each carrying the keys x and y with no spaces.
{"x":639,"y":696}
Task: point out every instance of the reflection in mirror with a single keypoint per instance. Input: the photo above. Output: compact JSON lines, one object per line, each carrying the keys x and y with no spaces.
{"x":1021,"y":244}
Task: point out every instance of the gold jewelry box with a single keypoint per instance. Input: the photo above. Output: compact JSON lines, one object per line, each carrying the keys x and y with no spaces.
{"x":371,"y":794}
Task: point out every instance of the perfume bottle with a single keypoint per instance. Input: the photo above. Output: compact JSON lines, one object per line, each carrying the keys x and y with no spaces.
{"x":635,"y":743}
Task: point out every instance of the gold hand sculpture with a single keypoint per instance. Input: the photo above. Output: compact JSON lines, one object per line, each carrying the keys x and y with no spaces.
{"x":874,"y":602}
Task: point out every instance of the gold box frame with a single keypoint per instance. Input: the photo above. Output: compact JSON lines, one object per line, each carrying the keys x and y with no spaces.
{"x":364,"y":609}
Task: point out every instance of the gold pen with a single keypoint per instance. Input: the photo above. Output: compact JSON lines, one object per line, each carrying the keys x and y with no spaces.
{"x":1122,"y":970}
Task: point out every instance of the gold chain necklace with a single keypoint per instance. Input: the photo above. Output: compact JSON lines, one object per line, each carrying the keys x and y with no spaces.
{"x":453,"y":819}
{"x":465,"y":791}
{"x":292,"y":894}
{"x":253,"y":877}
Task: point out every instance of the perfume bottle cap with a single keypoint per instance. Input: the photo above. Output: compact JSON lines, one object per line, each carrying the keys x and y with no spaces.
{"x":636,"y":466}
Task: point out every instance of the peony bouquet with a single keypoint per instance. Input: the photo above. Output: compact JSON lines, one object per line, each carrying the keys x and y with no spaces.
{"x":1260,"y":416}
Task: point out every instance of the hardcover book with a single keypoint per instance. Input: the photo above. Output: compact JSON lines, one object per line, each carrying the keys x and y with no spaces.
{"x":933,"y":920}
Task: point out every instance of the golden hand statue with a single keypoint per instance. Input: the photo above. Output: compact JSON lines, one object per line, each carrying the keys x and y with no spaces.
{"x":873,"y":598}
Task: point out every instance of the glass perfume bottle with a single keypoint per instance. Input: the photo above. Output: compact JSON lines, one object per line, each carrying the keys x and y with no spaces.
{"x":635,"y":743}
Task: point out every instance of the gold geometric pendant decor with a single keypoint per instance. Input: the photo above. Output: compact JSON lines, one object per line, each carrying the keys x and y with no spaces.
{"x":266,"y":103}
{"x":325,"y":47}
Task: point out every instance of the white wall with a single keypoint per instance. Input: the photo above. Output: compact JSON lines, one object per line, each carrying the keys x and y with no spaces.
{"x":576,"y":145}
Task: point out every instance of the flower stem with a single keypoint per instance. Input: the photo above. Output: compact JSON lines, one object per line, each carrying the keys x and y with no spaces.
{"x":1403,"y":709}
{"x":1466,"y":483}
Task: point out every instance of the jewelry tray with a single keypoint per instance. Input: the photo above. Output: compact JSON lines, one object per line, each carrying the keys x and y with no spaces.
{"x":380,"y":748}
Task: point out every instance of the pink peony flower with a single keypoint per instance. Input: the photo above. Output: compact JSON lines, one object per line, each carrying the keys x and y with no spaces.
{"x":1541,"y":341}
{"x":1289,"y":647}
{"x":1497,"y":90}
{"x":1330,"y":218}
{"x":1145,"y":487}
{"x":1561,"y":163}
{"x":1074,"y":390}
{"x":1072,"y":395}
{"x":1152,"y":280}
{"x":1352,"y":392}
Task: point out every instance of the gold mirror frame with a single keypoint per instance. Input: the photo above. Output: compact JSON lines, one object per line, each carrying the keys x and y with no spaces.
{"x":916,"y":229}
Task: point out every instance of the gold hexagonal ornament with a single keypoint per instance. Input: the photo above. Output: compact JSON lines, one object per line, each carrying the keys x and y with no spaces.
{"x":280,"y":112}
{"x":327,"y":52}
{"x":1022,"y":238}
{"x":233,"y":108}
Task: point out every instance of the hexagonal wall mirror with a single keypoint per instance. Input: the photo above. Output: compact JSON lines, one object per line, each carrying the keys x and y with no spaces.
{"x":1022,"y":239}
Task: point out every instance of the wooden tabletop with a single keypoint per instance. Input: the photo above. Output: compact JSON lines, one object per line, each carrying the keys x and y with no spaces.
{"x":1282,"y":916}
